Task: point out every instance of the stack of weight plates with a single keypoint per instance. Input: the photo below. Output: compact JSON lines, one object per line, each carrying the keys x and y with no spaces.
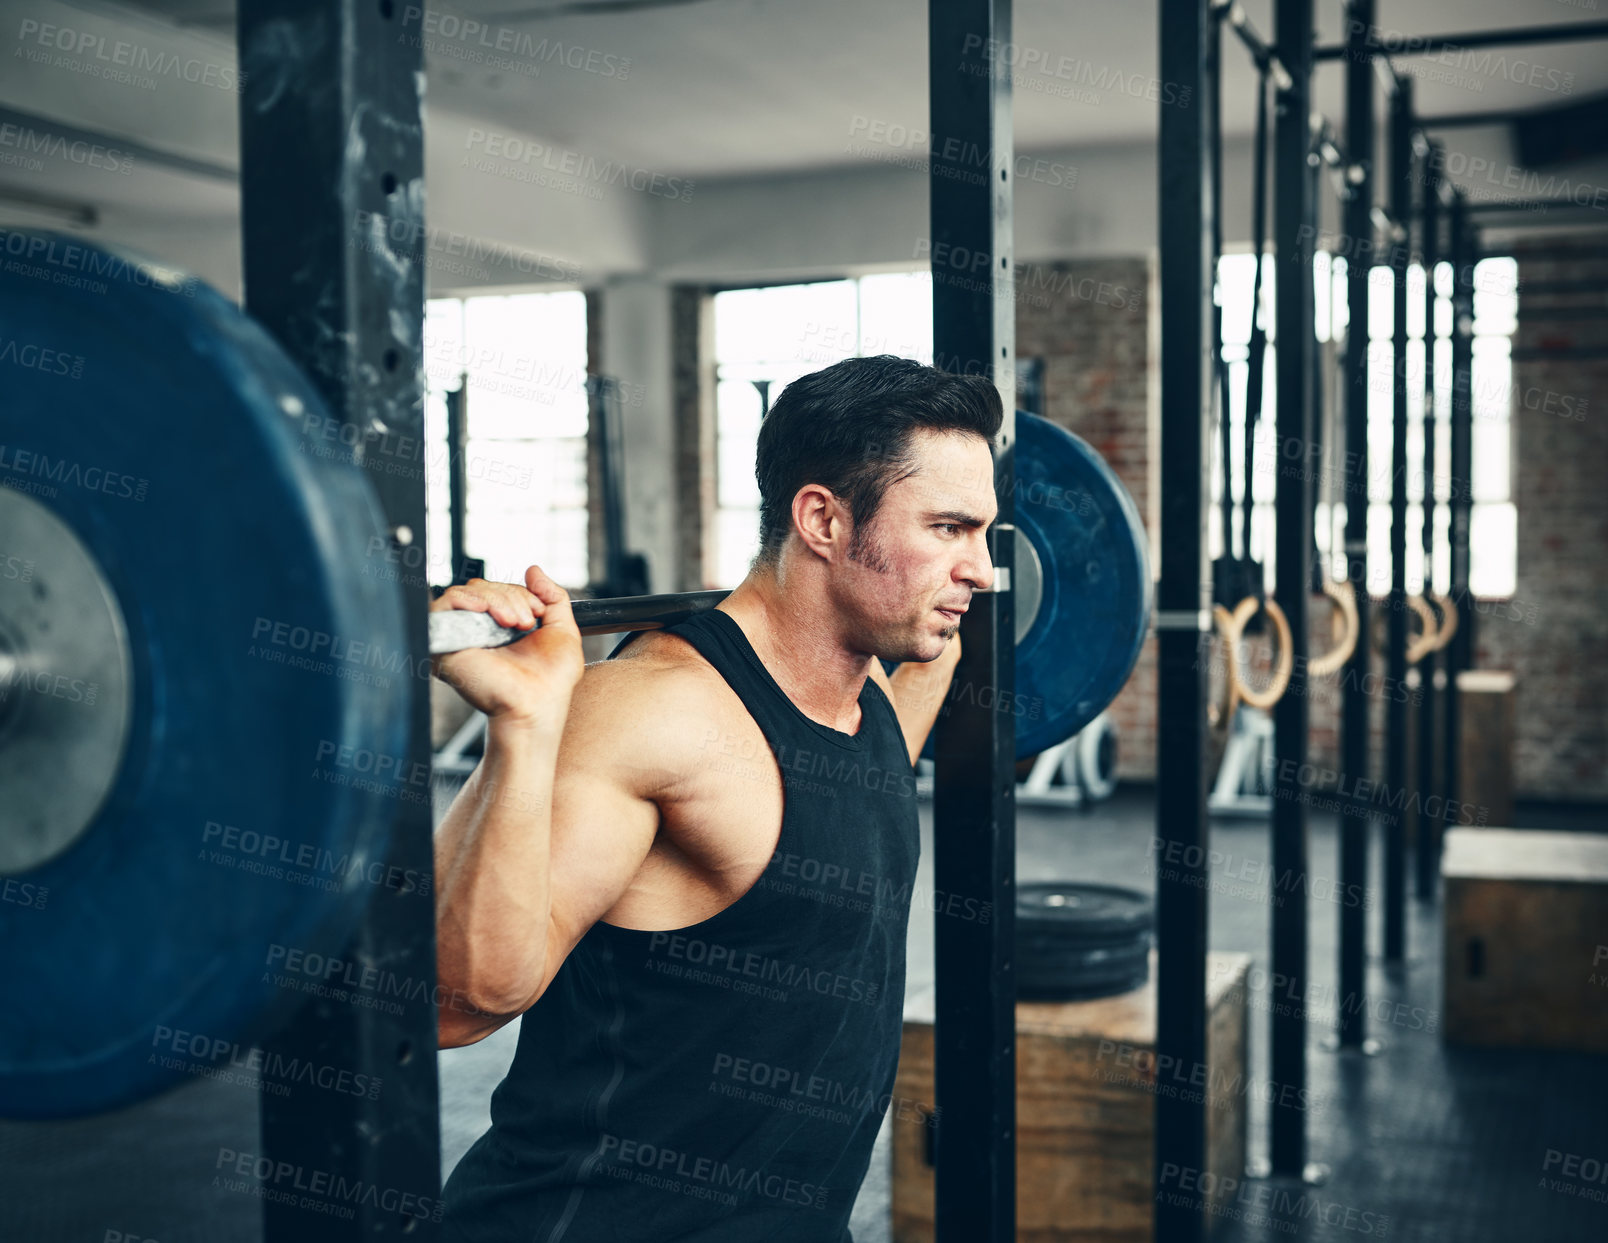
{"x":1077,"y":941}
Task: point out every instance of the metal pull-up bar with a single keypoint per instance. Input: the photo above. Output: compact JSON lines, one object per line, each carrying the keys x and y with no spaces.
{"x":1267,"y":60}
{"x":1430,"y":45}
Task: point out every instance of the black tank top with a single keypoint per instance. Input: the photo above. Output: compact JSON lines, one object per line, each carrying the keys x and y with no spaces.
{"x":723,"y":1081}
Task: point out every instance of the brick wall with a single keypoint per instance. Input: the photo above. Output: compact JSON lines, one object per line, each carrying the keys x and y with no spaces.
{"x":1558,"y":645}
{"x":1090,"y":323}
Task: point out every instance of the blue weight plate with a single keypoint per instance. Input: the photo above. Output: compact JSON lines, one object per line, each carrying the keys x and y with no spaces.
{"x":166,"y":430}
{"x":1095,"y":606}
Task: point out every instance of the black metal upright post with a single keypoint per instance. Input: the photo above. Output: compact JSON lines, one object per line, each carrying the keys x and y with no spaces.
{"x":332,"y":203}
{"x":1183,"y":616}
{"x":1358,"y":233}
{"x":1460,"y":498}
{"x":1401,"y":195}
{"x":974,"y":804}
{"x":1292,"y":241}
{"x":458,"y":477}
{"x":1424,"y":848}
{"x":1220,"y":387}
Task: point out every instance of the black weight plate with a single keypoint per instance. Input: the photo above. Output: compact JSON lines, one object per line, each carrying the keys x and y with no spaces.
{"x":1072,"y":912}
{"x":1050,"y":941}
{"x":1095,"y":606}
{"x":167,"y":431}
{"x":1094,"y":599}
{"x":1080,"y":974}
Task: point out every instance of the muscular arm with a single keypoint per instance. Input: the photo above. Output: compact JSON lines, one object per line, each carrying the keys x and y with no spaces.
{"x":543,"y":839}
{"x":917,"y":692}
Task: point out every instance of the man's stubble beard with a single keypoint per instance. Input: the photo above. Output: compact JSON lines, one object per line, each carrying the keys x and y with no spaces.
{"x":866,"y":550}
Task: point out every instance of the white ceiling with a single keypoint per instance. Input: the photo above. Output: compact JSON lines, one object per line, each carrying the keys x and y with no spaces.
{"x":767,"y":96}
{"x":745,"y":87}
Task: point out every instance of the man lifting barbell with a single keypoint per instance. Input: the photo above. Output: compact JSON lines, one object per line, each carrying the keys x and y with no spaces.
{"x":168,"y":759}
{"x":720,"y":875}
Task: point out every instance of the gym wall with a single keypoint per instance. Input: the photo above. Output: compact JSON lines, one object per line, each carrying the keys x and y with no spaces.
{"x":1098,"y":358}
{"x":1098,"y":382}
{"x":1557,"y":645}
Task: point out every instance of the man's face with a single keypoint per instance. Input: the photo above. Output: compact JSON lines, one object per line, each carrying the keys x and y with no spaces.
{"x":913,"y":567}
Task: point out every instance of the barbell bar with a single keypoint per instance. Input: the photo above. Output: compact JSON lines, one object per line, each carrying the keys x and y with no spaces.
{"x":457,"y":630}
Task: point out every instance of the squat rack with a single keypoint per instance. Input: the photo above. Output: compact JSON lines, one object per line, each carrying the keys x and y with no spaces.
{"x":1188,"y":227}
{"x":334,"y":263}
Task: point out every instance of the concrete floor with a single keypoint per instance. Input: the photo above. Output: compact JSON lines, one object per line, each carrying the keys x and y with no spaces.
{"x":1431,"y":1144}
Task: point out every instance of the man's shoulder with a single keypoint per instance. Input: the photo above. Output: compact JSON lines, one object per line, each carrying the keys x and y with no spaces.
{"x":657,"y":689}
{"x":655,"y":662}
{"x":648,"y":717}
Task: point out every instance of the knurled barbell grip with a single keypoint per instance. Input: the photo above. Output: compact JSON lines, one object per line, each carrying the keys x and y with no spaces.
{"x":458,"y":630}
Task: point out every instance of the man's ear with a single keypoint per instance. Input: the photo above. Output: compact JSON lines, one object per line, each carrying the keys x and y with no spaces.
{"x":821,"y":520}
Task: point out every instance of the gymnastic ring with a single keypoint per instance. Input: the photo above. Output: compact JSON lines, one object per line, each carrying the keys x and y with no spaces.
{"x":1283,"y":667}
{"x":1219,"y":718}
{"x":1346,"y":600}
{"x":1448,"y":625}
{"x":1229,"y":627}
{"x":1425,"y":643}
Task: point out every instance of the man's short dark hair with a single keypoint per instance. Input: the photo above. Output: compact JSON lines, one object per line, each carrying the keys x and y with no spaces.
{"x":847,"y":427}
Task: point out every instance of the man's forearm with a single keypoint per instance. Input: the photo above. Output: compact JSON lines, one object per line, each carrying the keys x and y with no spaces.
{"x":492,"y":858}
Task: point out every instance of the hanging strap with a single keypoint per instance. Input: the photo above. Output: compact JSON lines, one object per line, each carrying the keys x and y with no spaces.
{"x":1322,"y":431}
{"x":1258,"y":345}
{"x":1221,"y":390}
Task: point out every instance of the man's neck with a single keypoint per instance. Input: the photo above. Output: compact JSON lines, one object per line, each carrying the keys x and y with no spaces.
{"x":792,"y":630}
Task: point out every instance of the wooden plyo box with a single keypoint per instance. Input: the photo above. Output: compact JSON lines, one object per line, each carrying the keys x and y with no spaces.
{"x":1485,"y":746}
{"x":1086,"y":1080}
{"x":1526,"y":939}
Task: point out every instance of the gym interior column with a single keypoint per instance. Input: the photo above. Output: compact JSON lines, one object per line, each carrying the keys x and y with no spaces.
{"x":332,"y":200}
{"x":1183,"y":612}
{"x":974,"y":801}
{"x":1294,"y":337}
{"x":1424,"y":852}
{"x":1358,"y":244}
{"x":1396,"y":784}
{"x":1460,"y":497}
{"x":603,"y":408}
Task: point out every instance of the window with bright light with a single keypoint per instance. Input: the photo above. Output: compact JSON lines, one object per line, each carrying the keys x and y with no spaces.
{"x":764,"y":340}
{"x":1493,"y":549}
{"x":523,"y":358}
{"x":1493,"y":537}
